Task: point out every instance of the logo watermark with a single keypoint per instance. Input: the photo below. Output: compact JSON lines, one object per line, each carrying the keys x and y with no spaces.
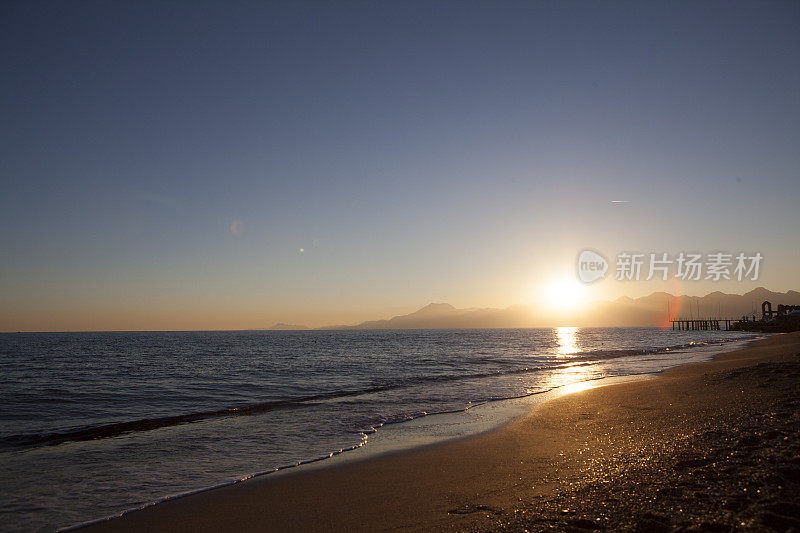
{"x":591,"y":266}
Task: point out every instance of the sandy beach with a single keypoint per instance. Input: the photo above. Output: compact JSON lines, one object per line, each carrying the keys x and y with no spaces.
{"x":401,"y":265}
{"x":704,"y":447}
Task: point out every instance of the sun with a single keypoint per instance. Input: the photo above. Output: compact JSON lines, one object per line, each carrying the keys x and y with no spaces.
{"x":564,"y":294}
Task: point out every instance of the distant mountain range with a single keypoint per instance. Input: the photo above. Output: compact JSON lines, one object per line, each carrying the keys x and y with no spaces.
{"x":652,"y":310}
{"x":280,"y":326}
{"x":649,"y":310}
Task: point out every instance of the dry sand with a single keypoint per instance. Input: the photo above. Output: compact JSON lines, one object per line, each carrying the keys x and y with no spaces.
{"x":706,"y":447}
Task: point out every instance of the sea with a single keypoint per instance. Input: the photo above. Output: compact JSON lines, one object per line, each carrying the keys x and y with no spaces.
{"x":95,"y":424}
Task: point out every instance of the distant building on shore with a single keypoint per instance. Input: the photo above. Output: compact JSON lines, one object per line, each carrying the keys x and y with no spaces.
{"x":767,"y":313}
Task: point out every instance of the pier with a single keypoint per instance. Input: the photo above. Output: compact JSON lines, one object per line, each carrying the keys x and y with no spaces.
{"x":745,"y":323}
{"x":698,"y":324}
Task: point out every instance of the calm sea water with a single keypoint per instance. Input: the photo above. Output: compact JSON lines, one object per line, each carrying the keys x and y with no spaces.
{"x":92,"y":424}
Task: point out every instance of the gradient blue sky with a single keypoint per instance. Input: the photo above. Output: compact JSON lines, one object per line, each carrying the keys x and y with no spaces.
{"x":416,"y":151}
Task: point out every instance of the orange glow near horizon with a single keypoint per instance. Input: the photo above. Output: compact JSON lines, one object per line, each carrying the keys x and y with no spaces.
{"x":565,"y":295}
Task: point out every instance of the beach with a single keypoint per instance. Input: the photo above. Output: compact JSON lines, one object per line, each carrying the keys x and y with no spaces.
{"x":710,"y":446}
{"x":400,"y":265}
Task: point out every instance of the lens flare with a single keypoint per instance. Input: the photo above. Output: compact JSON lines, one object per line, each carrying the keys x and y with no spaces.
{"x":673,"y":304}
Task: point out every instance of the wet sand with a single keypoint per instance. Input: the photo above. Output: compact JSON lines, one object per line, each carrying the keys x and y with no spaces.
{"x":706,"y":447}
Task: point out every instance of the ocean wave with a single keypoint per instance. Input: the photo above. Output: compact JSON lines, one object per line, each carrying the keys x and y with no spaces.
{"x":104,"y":431}
{"x":612,"y":354}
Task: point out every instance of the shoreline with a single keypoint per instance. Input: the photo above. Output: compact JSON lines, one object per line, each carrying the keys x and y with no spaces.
{"x":484,"y":467}
{"x":360,"y":453}
{"x":433,"y":429}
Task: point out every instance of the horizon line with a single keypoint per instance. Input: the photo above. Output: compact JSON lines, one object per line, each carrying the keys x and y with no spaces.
{"x":354,"y":327}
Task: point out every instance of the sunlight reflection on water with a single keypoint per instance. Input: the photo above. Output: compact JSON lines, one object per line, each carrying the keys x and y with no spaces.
{"x":572,"y":377}
{"x":567,"y":338}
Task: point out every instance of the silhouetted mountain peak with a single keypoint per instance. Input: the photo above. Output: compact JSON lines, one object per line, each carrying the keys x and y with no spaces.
{"x":280,"y":326}
{"x":656,"y":296}
{"x":436,"y":308}
{"x":759,"y":292}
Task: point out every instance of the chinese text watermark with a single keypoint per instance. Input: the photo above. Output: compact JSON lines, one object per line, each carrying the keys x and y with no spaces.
{"x":686,"y":266}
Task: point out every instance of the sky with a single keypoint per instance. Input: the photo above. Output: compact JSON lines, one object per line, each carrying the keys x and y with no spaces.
{"x":218,"y":165}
